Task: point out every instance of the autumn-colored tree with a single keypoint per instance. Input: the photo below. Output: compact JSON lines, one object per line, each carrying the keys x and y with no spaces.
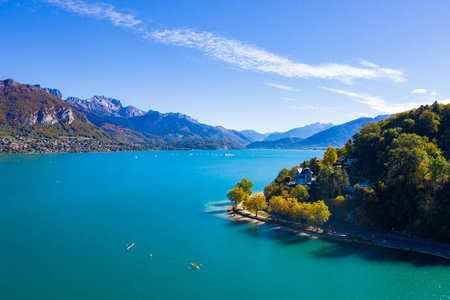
{"x":330,"y":156}
{"x":237,"y":195}
{"x":255,"y":203}
{"x":278,"y":205}
{"x":318,"y":213}
{"x":300,"y":193}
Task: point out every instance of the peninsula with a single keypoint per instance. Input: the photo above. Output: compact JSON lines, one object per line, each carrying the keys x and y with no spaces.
{"x":388,"y":186}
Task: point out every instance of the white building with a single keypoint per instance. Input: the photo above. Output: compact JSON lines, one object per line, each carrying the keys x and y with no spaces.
{"x":303,"y":176}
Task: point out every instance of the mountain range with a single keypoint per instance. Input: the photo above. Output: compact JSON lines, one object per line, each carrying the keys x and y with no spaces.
{"x":33,"y":120}
{"x":335,"y":136}
{"x":110,"y":115}
{"x":300,"y":132}
{"x":36,"y":119}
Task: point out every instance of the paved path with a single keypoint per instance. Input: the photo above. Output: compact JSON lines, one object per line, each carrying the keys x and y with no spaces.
{"x":347,"y":234}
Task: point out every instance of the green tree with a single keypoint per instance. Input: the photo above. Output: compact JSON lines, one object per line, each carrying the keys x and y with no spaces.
{"x":237,"y":195}
{"x":341,"y":152}
{"x":330,"y":156}
{"x":314,"y":165}
{"x":272,"y":189}
{"x":300,"y":193}
{"x":427,"y":124}
{"x":338,"y":206}
{"x":438,"y":168}
{"x":282,"y":175}
{"x":255,"y":204}
{"x":245,"y":185}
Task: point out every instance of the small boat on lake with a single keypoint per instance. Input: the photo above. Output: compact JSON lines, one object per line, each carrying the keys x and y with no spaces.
{"x":129,"y":246}
{"x":195,"y":266}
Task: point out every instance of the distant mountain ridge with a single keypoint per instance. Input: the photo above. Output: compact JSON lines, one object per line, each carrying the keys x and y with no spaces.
{"x":254,"y":136}
{"x":335,"y":136}
{"x":104,"y":112}
{"x":300,"y":132}
{"x":104,"y":107}
{"x":36,"y":120}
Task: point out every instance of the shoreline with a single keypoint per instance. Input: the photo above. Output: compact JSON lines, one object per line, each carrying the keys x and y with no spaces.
{"x":242,"y":215}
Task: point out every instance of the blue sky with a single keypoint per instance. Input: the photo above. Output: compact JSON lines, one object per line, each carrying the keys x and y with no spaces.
{"x":262,"y":65}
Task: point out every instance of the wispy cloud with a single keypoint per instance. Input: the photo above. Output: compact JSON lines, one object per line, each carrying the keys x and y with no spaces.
{"x":377,"y":103}
{"x":282,"y":87}
{"x":287,"y":99}
{"x":368,"y":64}
{"x":363,"y":114}
{"x":252,"y":58}
{"x":419,"y":91}
{"x":235,"y":53}
{"x":304,"y":107}
{"x":433,"y":93}
{"x":99,"y":10}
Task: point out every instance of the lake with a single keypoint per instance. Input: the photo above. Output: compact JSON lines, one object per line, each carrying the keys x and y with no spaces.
{"x":66,"y":220}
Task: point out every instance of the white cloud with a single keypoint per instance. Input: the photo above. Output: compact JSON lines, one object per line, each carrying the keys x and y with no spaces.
{"x":368,"y":64}
{"x":419,"y":91}
{"x":232,"y":52}
{"x":433,"y":93}
{"x":252,"y":58}
{"x":364,"y":114}
{"x":377,"y":103}
{"x":99,"y":10}
{"x":304,"y":107}
{"x":282,"y":87}
{"x":287,"y":99}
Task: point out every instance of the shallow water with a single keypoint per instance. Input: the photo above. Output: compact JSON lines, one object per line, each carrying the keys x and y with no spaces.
{"x":66,"y":220}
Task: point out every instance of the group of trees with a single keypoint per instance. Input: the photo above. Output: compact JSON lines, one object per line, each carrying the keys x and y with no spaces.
{"x":241,"y":191}
{"x":287,"y":200}
{"x":315,"y":213}
{"x":403,"y":163}
{"x":404,"y":159}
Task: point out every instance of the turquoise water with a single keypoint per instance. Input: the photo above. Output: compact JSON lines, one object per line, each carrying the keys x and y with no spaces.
{"x":65,"y":221}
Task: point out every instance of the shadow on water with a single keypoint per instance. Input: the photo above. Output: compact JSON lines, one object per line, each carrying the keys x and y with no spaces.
{"x":336,"y":249}
{"x":222,"y":204}
{"x":270,"y":233}
{"x":217,"y":212}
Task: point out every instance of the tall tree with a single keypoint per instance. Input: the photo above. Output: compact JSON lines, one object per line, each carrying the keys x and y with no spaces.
{"x":318,"y":213}
{"x":245,"y":185}
{"x":330,"y":156}
{"x":300,"y":193}
{"x":237,"y":195}
{"x":255,"y":204}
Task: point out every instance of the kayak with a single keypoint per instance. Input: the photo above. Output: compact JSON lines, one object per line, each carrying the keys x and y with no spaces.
{"x":195,"y":266}
{"x":128,"y":248}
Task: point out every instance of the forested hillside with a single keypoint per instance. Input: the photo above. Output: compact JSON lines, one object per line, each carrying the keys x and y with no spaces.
{"x":399,"y":182}
{"x":405,"y":160}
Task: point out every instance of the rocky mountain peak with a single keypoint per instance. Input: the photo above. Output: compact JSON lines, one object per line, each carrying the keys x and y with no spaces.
{"x":105,"y":107}
{"x":54,"y":92}
{"x":10,"y":86}
{"x":107,"y":102}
